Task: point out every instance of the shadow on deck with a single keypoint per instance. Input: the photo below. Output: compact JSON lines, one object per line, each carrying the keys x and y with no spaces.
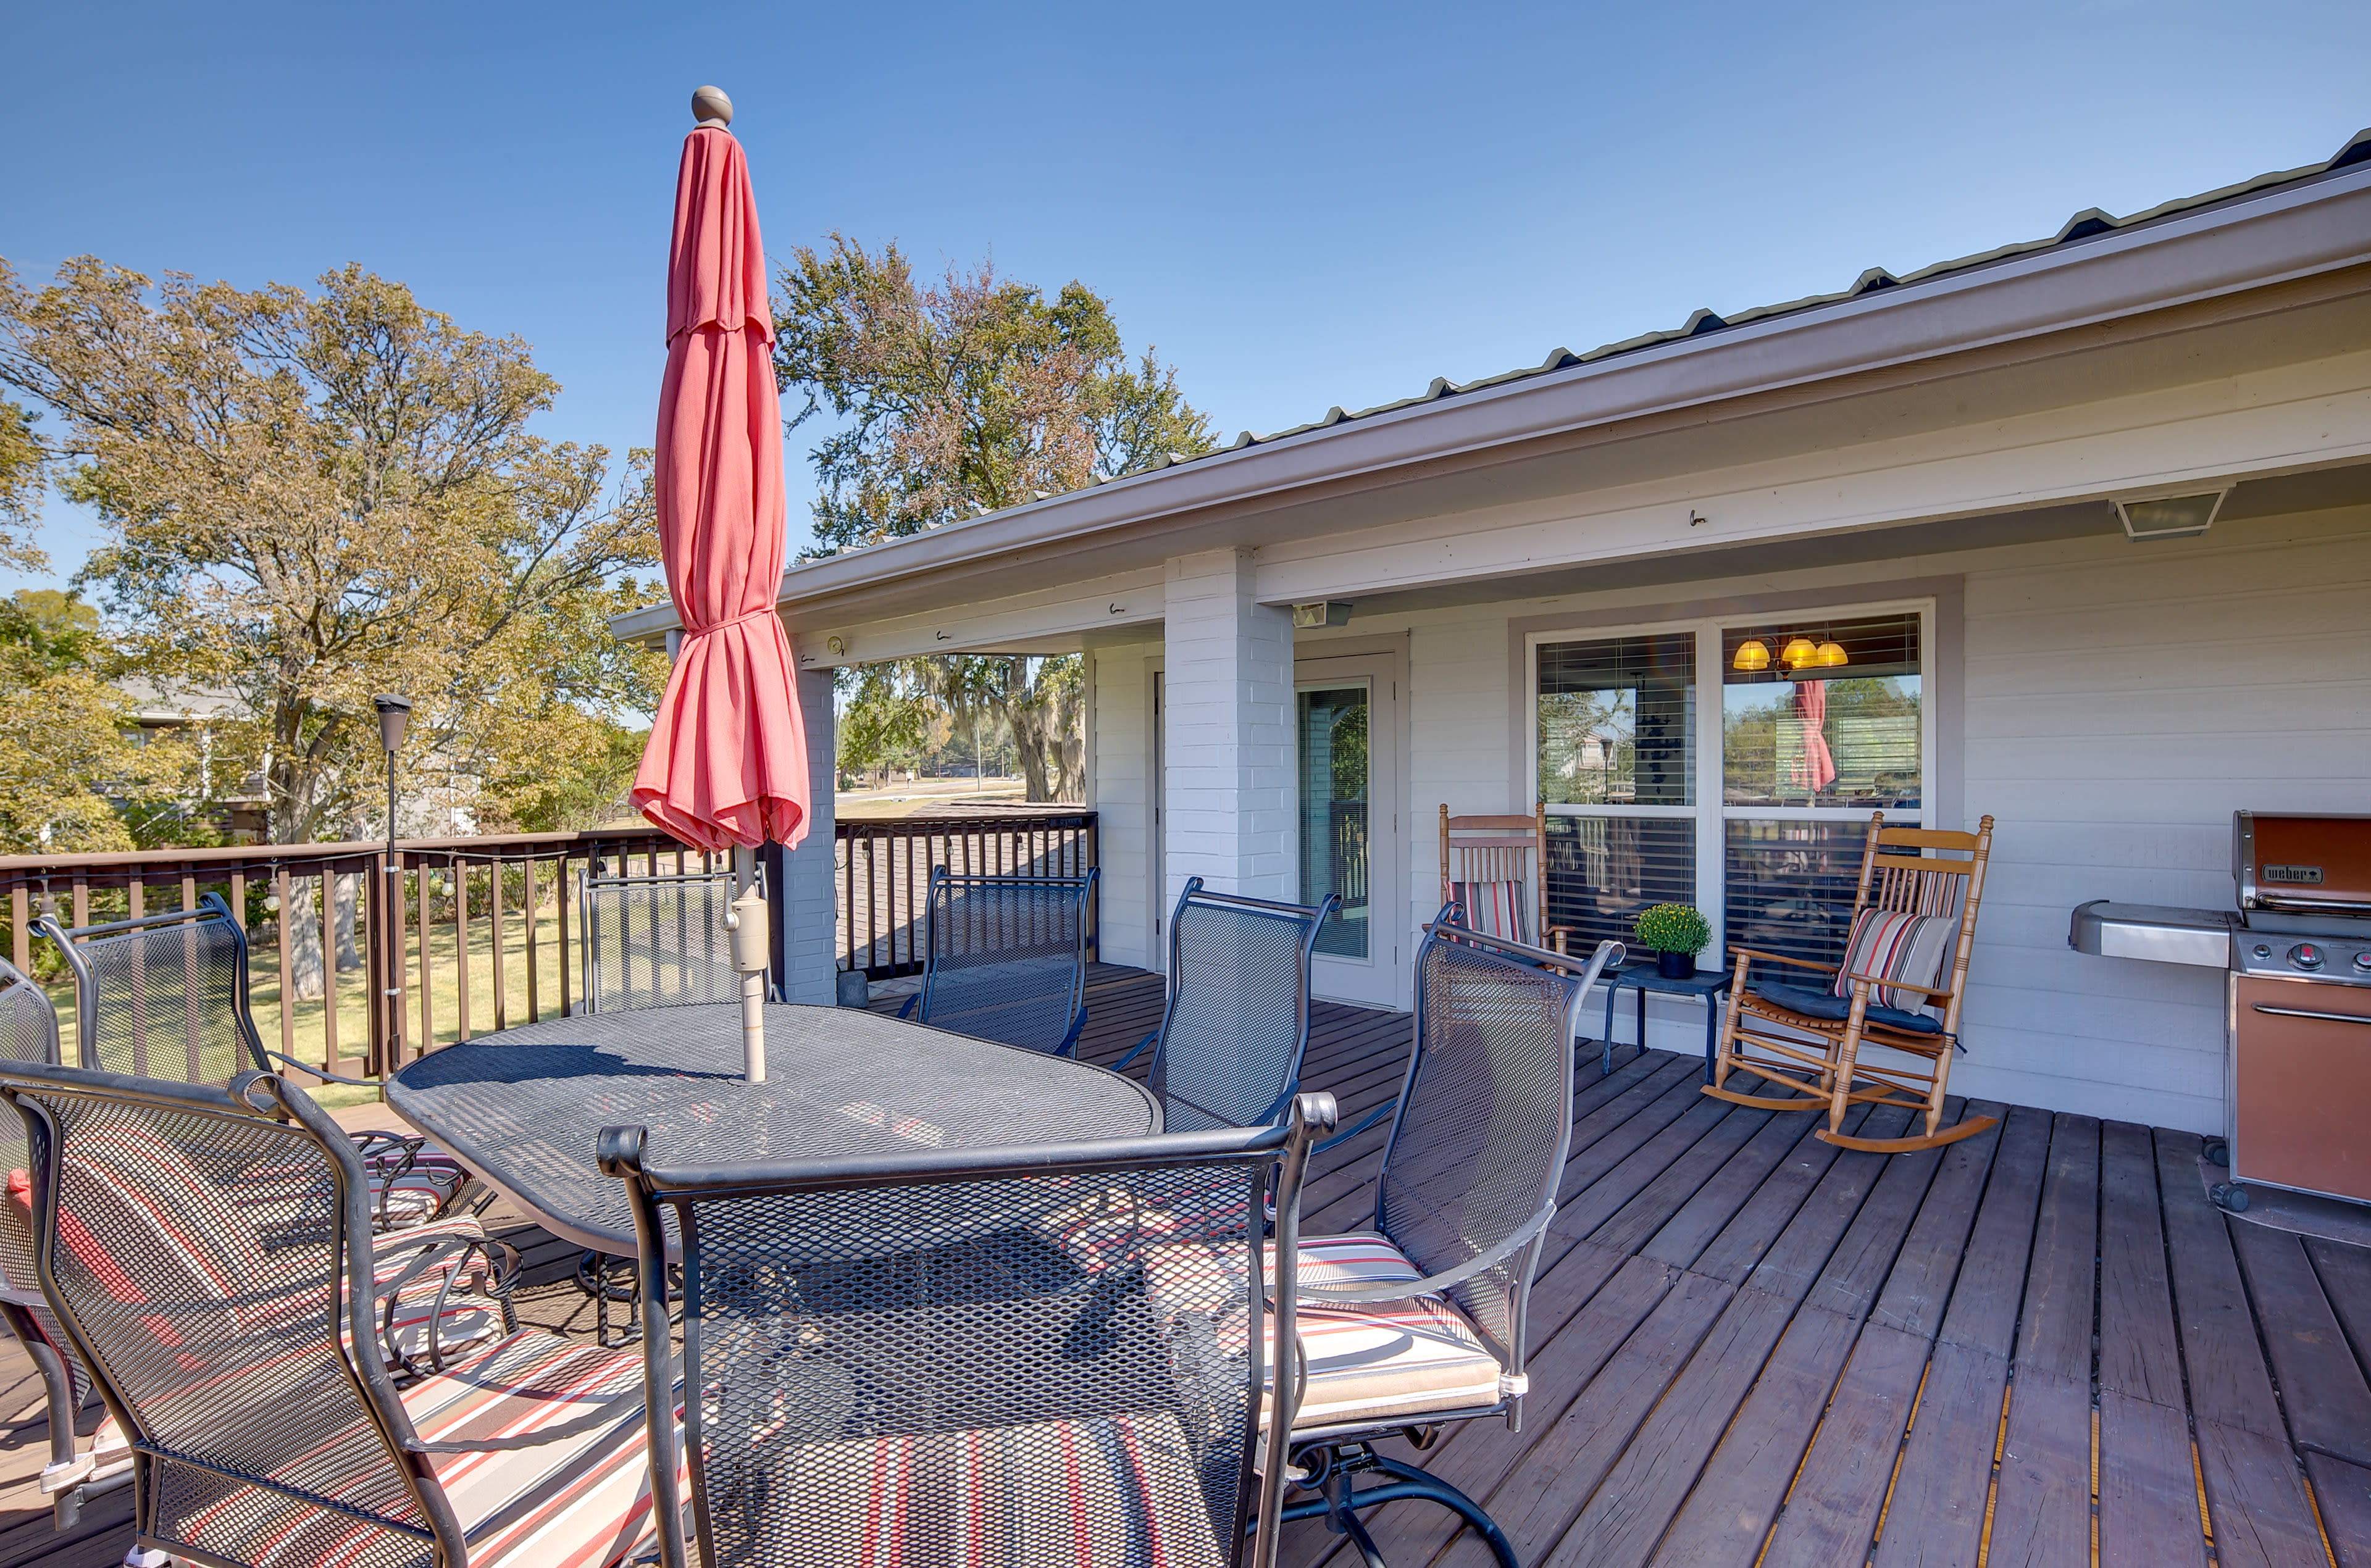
{"x":1749,"y":1347}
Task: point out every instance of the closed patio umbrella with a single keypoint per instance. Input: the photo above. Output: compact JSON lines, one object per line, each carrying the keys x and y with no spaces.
{"x":1815,"y":765}
{"x":726,"y":765}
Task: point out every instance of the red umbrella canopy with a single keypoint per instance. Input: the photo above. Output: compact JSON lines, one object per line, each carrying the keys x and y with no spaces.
{"x":726,"y":762}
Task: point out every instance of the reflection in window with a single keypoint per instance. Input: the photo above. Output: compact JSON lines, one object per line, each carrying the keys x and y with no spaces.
{"x":1617,"y":722}
{"x":1334,"y":848}
{"x":1790,"y":889}
{"x":1833,"y":734}
{"x":1603,"y":870}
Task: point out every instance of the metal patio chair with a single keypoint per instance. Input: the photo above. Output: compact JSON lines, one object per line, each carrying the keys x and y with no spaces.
{"x":1228,"y":1052}
{"x":893,"y":1364}
{"x":28,"y":1033}
{"x":208,"y":1251}
{"x":165,"y":997}
{"x":1420,"y":1319}
{"x":657,"y":941}
{"x":1913,"y":929}
{"x":1006,"y":959}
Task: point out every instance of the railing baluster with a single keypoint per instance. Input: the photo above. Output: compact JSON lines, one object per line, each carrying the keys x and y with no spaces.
{"x":329,"y":1053}
{"x":502,"y":988}
{"x":560,"y":899}
{"x":460,"y":948}
{"x":427,"y":1040}
{"x":20,"y":915}
{"x":534,"y":957}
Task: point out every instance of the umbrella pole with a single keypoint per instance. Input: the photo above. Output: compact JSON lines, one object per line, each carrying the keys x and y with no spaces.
{"x":747,"y":922}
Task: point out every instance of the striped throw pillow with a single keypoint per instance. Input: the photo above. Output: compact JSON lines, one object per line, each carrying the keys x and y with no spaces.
{"x":1494,"y":908}
{"x":1910,"y":949}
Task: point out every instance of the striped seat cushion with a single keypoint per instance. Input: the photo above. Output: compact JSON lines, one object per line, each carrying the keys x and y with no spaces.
{"x":1894,"y":945}
{"x":1494,"y":908}
{"x":580,"y":1502}
{"x":1119,"y":1488}
{"x":1378,"y":1362}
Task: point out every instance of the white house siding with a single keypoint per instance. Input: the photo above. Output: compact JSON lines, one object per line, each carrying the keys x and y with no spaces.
{"x":2117,"y":702}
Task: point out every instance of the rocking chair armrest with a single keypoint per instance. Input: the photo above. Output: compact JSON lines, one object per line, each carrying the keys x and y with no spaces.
{"x":1941,"y":993}
{"x":1556,"y":936}
{"x":1782,"y":958}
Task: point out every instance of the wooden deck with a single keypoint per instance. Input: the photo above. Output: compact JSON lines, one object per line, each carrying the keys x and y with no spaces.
{"x":2039,"y":1346}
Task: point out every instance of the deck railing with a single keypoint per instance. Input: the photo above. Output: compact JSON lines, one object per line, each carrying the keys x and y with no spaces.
{"x":884,"y":867}
{"x":483,"y":925}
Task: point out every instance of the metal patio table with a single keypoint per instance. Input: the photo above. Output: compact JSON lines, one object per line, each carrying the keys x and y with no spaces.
{"x":521,"y":1108}
{"x":1710,"y":984}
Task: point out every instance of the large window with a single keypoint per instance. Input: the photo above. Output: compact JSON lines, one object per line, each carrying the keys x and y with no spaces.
{"x":1753,"y":809}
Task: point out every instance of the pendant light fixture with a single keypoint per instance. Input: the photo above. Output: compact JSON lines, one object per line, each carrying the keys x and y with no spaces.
{"x":1798,"y":653}
{"x":1751,"y":654}
{"x":1830,"y":656}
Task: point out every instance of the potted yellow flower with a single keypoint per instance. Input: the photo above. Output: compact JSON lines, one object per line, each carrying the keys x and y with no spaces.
{"x":1675,"y":933}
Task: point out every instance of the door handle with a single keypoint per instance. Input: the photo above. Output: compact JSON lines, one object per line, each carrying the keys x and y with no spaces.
{"x":2324,"y":1016}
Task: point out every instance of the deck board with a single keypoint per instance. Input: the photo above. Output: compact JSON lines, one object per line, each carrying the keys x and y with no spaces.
{"x":1749,"y":1346}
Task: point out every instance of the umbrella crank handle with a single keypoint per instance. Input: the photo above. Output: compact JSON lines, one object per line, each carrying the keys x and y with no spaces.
{"x":746,"y":919}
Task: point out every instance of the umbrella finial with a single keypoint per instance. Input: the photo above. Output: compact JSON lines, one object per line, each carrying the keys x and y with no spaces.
{"x":711,"y":107}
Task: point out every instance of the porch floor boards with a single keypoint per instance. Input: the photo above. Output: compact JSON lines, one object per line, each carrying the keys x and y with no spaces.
{"x":2041,"y":1346}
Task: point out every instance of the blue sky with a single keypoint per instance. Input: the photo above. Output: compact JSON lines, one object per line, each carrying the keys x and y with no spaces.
{"x":1300,"y":206}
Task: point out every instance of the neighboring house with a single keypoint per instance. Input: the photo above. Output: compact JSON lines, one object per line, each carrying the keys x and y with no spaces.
{"x":1552,"y":575}
{"x":422,"y":810}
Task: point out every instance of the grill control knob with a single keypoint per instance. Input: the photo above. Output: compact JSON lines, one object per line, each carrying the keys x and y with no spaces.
{"x":2362,"y":963}
{"x":2263,"y":950}
{"x":2305,"y":955}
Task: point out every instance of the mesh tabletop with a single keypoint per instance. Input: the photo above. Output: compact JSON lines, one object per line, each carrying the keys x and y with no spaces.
{"x":523,"y":1108}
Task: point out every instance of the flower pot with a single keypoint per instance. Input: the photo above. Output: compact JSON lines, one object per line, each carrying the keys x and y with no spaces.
{"x":1675,"y":965}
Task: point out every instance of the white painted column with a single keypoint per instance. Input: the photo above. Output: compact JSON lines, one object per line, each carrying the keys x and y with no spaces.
{"x":1227,"y":741}
{"x":807,"y":899}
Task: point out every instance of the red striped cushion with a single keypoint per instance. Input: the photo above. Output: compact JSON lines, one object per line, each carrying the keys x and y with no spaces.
{"x":1117,"y":1488}
{"x":581,"y":1502}
{"x":1494,"y":908}
{"x":1368,"y":1362}
{"x":1908,"y":948}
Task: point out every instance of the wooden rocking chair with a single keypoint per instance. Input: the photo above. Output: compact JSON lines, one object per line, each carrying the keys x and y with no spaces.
{"x":1495,"y":869}
{"x":1810,"y":1040}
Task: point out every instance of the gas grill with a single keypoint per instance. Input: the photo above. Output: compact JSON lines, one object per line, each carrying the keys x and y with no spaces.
{"x":2297,"y":1023}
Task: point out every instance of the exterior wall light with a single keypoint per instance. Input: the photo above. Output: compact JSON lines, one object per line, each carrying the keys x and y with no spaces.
{"x":2157,"y":515}
{"x":1324,"y":611}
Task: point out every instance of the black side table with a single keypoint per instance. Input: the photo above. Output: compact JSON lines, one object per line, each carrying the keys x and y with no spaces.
{"x":1711,"y":985}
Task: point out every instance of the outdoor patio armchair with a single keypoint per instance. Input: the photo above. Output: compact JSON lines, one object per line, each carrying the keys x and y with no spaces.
{"x":1898,"y":990}
{"x":894,"y":1363}
{"x":166,"y":995}
{"x":208,"y":1251}
{"x":657,"y":941}
{"x":1421,"y":1319}
{"x":1228,"y":1049}
{"x":1006,"y":959}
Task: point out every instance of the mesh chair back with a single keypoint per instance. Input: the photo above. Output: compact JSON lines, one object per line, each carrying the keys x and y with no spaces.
{"x":1478,"y":1144}
{"x":197,"y":1253}
{"x":1008,"y":958}
{"x":163,"y":996}
{"x":1051,"y":1355}
{"x":657,"y":941}
{"x":28,"y":1033}
{"x":1237,"y":1021}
